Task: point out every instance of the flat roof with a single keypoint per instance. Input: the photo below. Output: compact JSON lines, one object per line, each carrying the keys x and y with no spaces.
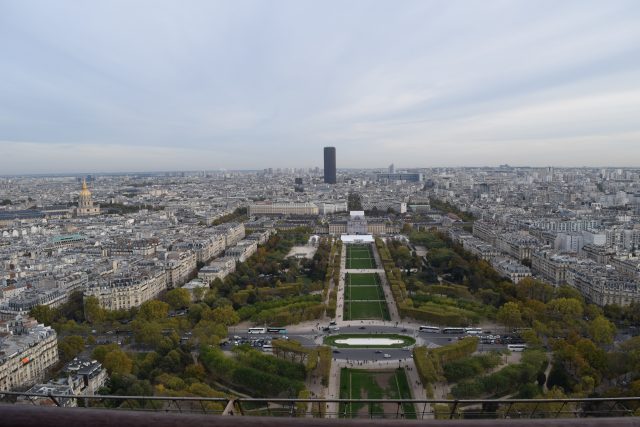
{"x":357,"y":238}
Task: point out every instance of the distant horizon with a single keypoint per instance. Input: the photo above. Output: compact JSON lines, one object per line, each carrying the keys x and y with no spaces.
{"x":222,"y":170}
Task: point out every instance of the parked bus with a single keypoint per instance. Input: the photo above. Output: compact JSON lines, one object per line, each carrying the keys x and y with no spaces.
{"x":432,"y":329}
{"x":473,"y":331}
{"x":257,"y":331}
{"x":453,"y":330}
{"x":274,"y":330}
{"x":516,"y":347}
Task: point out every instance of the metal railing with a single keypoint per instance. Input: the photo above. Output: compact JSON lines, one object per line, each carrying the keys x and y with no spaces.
{"x":344,"y":408}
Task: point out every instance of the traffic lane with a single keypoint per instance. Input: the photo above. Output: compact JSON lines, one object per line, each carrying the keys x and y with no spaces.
{"x":305,"y":340}
{"x":371,"y":354}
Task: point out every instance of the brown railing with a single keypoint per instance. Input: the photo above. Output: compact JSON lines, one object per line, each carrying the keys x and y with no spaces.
{"x":343,"y":408}
{"x":32,"y":416}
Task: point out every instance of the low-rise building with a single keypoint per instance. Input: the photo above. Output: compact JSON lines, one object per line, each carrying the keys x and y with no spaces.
{"x":511,"y":269}
{"x":217,"y":269}
{"x":242,"y":251}
{"x":269,"y":208}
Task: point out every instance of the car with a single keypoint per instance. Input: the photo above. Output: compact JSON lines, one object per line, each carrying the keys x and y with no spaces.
{"x":334,"y":328}
{"x":336,"y":351}
{"x":378,"y":351}
{"x":404,"y":330}
{"x":387,"y":356}
{"x":326,"y":329}
{"x":362,"y":327}
{"x":236,"y":337}
{"x":332,"y":323}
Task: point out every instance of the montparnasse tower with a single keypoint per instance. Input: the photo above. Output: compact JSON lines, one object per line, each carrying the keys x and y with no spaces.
{"x":85,"y":202}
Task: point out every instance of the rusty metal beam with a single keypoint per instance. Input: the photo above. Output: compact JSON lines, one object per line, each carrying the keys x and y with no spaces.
{"x":30,"y":416}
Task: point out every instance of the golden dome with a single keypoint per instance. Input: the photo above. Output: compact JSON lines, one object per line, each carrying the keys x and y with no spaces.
{"x":85,"y":191}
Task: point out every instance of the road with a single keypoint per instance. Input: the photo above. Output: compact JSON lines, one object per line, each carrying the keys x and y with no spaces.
{"x":313,"y":336}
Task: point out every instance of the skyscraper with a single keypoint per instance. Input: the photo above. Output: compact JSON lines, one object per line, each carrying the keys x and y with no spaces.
{"x":330,"y":165}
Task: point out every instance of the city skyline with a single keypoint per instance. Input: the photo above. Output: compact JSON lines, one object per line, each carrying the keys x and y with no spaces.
{"x":225,"y":86}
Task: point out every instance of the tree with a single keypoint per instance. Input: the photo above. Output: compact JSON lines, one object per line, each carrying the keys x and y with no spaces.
{"x":117,"y":362}
{"x":153,"y":310}
{"x":92,"y":310}
{"x":178,"y":298}
{"x":225,"y":315}
{"x":602,"y":331}
{"x":208,"y":332}
{"x":44,"y":314}
{"x":149,"y":333}
{"x":69,"y":347}
{"x":509,"y":315}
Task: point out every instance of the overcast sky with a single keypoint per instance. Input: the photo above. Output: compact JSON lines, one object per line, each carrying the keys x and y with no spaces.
{"x":96,"y":86}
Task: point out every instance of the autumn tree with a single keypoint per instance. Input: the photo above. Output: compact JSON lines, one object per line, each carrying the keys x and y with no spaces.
{"x":44,"y":314}
{"x":92,"y":310}
{"x":153,"y":310}
{"x":225,"y":315}
{"x":69,"y":347}
{"x":117,"y":362}
{"x":509,"y":315}
{"x":602,"y":331}
{"x":178,"y":298}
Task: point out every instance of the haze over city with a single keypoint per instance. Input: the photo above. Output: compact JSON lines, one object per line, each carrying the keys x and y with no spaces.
{"x":158,"y":85}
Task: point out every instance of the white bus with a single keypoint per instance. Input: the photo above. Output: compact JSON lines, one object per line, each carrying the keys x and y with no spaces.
{"x":473,"y":331}
{"x":432,"y":329}
{"x":257,"y":331}
{"x":452,"y":330}
{"x":516,"y":347}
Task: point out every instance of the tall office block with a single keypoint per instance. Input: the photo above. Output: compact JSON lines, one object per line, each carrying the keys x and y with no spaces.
{"x":330,"y":165}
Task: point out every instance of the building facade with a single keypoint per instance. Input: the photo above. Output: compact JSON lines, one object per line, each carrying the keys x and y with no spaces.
{"x":27,"y":350}
{"x":330,"y":165}
{"x":124,"y":293}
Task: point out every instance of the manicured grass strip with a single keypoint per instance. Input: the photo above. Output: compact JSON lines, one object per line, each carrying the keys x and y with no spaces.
{"x":406,"y":340}
{"x":361,"y":384}
{"x":360,"y":257}
{"x":365,"y":293}
{"x":364,"y":279}
{"x":404,"y":392}
{"x":366,"y":310}
{"x":360,"y":263}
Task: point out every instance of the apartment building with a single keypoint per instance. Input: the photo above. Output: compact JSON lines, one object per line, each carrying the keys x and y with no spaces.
{"x":180,"y":266}
{"x":602,"y":285}
{"x":551,"y":265}
{"x":128,"y":291}
{"x":27,"y":350}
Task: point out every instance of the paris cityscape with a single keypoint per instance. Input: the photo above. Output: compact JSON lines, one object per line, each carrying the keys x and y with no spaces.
{"x":330,"y":226}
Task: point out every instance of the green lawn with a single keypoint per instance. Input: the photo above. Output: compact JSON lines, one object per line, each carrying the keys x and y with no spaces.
{"x":366,"y":310}
{"x":360,"y":256}
{"x":364,"y":298}
{"x":360,"y":263}
{"x":365,"y":293}
{"x":362,"y":279}
{"x":365,"y":384}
